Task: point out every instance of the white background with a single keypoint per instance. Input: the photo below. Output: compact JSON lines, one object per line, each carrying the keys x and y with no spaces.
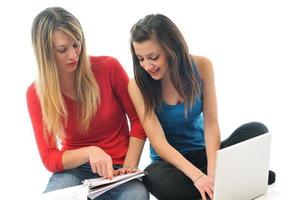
{"x":255,"y":47}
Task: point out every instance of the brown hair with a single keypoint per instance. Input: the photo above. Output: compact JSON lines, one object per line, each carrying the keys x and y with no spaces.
{"x":184,"y":77}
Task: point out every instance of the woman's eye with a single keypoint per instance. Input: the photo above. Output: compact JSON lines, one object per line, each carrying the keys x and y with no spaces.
{"x":76,"y":45}
{"x":61,"y":50}
{"x":154,"y":58}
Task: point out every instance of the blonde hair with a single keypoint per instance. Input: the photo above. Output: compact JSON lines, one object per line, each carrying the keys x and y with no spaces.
{"x":54,"y":110}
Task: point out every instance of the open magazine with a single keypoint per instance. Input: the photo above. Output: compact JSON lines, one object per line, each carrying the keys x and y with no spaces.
{"x":91,"y":188}
{"x":98,"y":186}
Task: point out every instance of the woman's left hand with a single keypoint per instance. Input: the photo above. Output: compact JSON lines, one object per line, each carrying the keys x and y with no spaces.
{"x":125,"y":170}
{"x":205,"y":185}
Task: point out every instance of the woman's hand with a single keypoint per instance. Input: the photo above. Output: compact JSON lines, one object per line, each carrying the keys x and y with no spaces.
{"x":100,"y":162}
{"x":125,"y":170}
{"x":205,"y":185}
{"x":211,"y":173}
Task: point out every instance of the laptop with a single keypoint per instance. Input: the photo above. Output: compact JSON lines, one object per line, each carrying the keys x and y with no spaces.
{"x":242,"y":169}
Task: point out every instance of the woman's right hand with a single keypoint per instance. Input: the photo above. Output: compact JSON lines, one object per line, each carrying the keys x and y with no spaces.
{"x":205,"y":185}
{"x":100,"y":162}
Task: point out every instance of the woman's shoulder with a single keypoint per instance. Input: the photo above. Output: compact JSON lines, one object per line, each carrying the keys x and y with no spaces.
{"x":202,"y":61}
{"x":203,"y":64}
{"x":31,"y":90}
{"x":103,"y":61}
{"x":31,"y":93}
{"x":133,"y":87}
{"x":132,"y":84}
{"x":104,"y":64}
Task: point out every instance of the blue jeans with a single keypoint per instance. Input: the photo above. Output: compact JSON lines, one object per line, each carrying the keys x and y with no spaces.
{"x":128,"y":191}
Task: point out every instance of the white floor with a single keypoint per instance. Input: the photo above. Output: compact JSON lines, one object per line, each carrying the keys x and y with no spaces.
{"x":275,"y":192}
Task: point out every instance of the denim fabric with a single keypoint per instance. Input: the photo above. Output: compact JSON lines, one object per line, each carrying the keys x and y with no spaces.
{"x":128,"y":191}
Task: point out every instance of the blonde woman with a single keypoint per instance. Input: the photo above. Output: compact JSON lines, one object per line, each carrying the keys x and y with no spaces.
{"x":78,"y":108}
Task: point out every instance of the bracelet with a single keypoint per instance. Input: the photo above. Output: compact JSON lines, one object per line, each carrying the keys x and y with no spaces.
{"x":198,"y":178}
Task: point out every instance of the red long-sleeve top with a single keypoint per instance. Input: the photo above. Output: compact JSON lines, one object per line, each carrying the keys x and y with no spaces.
{"x":109,"y":128}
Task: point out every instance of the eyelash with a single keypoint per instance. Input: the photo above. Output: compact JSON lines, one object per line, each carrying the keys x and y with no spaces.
{"x":64,"y":49}
{"x":155,"y":58}
{"x":61,"y":50}
{"x":141,"y":60}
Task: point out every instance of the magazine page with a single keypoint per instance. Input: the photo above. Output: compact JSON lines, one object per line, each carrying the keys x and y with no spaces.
{"x":102,"y":181}
{"x":98,"y":186}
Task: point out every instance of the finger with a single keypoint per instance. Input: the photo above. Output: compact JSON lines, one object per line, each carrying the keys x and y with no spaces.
{"x":129,"y":170}
{"x":109,"y":170}
{"x":93,"y":168}
{"x":104,"y":170}
{"x":211,"y":196}
{"x":115,"y":172}
{"x":212,"y":187}
{"x":123,"y":170}
{"x":134,"y":169}
{"x":210,"y":193}
{"x":99,"y":170}
{"x":203,"y":195}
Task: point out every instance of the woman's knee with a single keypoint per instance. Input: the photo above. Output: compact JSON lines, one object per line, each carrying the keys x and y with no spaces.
{"x":155,"y":169}
{"x":165,"y":181}
{"x":257,"y":128}
{"x":134,"y":189}
{"x":245,"y":132}
{"x":155,"y":173}
{"x":62,"y":180}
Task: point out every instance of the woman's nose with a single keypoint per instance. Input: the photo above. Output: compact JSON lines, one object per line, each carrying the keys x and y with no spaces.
{"x":72,"y":54}
{"x":147,"y":65}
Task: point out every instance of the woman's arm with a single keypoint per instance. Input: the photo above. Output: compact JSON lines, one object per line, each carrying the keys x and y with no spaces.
{"x":56,"y":160}
{"x":120,"y":80}
{"x":159,"y":142}
{"x":211,"y":127}
{"x":134,"y":152}
{"x":74,"y":158}
{"x":50,"y":155}
{"x":156,"y":135}
{"x":99,"y":160}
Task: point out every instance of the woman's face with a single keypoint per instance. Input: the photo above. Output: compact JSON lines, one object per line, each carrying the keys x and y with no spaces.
{"x":152,"y":58}
{"x":66,"y":52}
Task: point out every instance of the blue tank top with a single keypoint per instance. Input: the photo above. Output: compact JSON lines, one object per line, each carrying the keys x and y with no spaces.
{"x":183,"y":133}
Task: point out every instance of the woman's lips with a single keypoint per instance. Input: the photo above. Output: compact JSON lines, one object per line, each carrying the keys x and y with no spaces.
{"x":72,"y":64}
{"x":153,"y":72}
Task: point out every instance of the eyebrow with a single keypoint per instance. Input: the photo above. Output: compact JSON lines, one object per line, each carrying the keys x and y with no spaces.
{"x":150,"y":54}
{"x":61,"y":45}
{"x":66,"y":44}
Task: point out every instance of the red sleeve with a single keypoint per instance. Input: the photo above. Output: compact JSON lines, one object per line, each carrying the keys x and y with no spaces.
{"x":50,"y":155}
{"x":120,"y":81}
